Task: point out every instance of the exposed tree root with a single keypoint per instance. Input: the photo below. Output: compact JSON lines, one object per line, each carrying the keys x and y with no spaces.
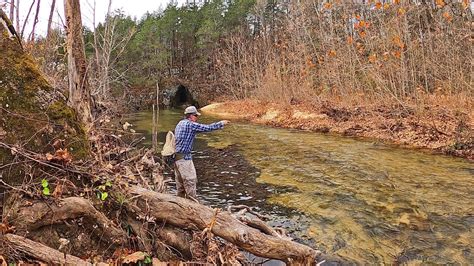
{"x":42,"y":252}
{"x":184,"y":213}
{"x":39,"y":214}
{"x":177,"y":239}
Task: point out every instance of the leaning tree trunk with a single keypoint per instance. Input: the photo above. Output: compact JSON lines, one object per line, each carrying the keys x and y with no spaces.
{"x":79,"y":90}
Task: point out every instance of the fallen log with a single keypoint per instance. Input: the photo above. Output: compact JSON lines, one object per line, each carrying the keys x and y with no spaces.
{"x":42,"y":252}
{"x":187,"y":214}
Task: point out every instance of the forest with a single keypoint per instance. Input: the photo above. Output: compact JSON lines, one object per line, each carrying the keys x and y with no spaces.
{"x":78,"y":186}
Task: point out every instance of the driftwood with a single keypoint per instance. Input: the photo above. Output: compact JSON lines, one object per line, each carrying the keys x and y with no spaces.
{"x":42,"y":252}
{"x":187,"y":214}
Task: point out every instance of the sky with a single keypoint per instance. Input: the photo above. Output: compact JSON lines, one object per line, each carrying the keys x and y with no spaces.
{"x":134,"y":8}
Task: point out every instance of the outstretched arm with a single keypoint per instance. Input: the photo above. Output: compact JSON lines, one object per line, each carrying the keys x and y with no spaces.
{"x":206,"y":128}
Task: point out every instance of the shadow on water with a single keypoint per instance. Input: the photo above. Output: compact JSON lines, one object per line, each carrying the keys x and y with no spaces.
{"x":356,"y":201}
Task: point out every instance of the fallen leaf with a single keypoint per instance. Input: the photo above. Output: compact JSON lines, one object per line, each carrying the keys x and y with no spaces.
{"x":58,"y":191}
{"x":401,"y":11}
{"x":447,"y":16}
{"x":5,"y":228}
{"x":465,"y":4}
{"x":49,"y":156}
{"x":133,"y":258}
{"x":157,"y":262}
{"x":60,"y":156}
{"x":126,"y":125}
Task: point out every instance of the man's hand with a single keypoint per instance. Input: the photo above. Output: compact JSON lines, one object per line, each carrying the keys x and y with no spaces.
{"x":225,"y":122}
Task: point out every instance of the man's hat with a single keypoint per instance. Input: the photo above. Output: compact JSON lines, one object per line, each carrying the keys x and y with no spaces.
{"x":191,"y":110}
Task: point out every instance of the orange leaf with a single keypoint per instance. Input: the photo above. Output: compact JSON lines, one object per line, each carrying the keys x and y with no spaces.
{"x":327,"y":5}
{"x":372,"y":58}
{"x":396,"y":2}
{"x":332,"y":53}
{"x":465,"y":4}
{"x":386,"y":6}
{"x":362,"y":34}
{"x":401,"y":11}
{"x":350,"y":40}
{"x":440,"y":3}
{"x":398,"y":42}
{"x":447,"y":16}
{"x":378,"y":5}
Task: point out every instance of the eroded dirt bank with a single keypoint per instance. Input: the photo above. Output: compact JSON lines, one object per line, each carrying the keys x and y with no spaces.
{"x":435,"y":129}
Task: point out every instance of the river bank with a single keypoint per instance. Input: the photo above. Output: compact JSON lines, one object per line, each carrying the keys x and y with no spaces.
{"x":436,"y":129}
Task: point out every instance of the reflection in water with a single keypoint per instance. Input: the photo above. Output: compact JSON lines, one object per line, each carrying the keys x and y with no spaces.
{"x":363,"y":202}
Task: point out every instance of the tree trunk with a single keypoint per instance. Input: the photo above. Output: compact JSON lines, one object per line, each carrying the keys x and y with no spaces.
{"x":12,"y":10}
{"x":17,"y":15}
{"x":50,"y":19}
{"x":35,"y":21}
{"x":26,"y":19}
{"x":79,"y":90}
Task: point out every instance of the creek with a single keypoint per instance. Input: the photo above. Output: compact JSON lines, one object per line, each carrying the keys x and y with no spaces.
{"x":358,"y":201}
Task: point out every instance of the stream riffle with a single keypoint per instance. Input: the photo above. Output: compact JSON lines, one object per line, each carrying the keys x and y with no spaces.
{"x":357,"y":201}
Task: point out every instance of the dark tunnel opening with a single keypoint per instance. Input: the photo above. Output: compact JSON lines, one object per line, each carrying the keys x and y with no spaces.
{"x":182,"y":96}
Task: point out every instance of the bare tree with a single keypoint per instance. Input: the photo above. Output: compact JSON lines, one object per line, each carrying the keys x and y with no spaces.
{"x":79,"y":90}
{"x":26,"y":19}
{"x":12,"y":10}
{"x":50,"y":19}
{"x":17,"y":15}
{"x":109,"y":45}
{"x":35,"y":21}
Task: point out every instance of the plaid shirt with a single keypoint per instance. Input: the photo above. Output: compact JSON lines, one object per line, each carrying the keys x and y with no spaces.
{"x":186,"y":131}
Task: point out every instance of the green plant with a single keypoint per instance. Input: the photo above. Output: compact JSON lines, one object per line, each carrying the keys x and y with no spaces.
{"x":45,"y":185}
{"x":102,"y":194}
{"x":147,"y":260}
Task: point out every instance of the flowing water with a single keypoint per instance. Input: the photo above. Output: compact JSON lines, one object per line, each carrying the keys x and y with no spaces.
{"x":357,"y":201}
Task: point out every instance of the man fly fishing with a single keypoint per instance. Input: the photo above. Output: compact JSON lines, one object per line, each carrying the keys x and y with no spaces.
{"x":185,"y":131}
